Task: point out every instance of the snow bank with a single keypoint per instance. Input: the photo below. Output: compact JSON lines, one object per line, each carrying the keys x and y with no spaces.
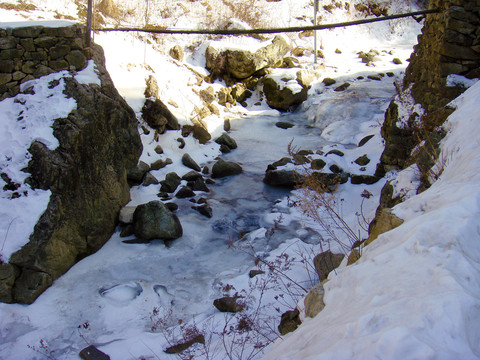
{"x":414,"y":293}
{"x":27,"y":118}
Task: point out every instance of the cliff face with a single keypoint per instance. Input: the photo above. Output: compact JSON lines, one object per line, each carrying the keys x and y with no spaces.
{"x":86,"y":174}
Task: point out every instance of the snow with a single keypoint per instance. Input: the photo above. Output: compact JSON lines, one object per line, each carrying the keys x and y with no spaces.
{"x":44,"y":23}
{"x":413,"y":293}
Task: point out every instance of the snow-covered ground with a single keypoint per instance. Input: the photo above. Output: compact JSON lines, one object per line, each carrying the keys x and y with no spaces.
{"x":414,"y":292}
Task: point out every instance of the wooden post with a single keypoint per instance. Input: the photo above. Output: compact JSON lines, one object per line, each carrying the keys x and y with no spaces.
{"x":315,"y":9}
{"x":89,"y":22}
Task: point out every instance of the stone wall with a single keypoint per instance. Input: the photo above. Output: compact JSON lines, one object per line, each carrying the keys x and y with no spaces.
{"x":449,"y":44}
{"x":31,"y":52}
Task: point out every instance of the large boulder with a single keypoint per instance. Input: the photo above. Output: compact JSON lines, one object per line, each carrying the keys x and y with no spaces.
{"x":87,"y":177}
{"x":154,"y":220}
{"x":241,"y":64}
{"x":283,"y":95}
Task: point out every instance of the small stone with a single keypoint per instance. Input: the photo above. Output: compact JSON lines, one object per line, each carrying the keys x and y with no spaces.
{"x":397,"y":61}
{"x":225,"y":149}
{"x":226,"y":125}
{"x":289,"y":322}
{"x":325,"y":262}
{"x":176,"y":52}
{"x":159,"y":164}
{"x":182,"y":346}
{"x":182,"y":143}
{"x":374,"y":77}
{"x":171,"y":206}
{"x":314,"y":301}
{"x":92,"y":353}
{"x":342,"y":87}
{"x":171,"y":182}
{"x":190,"y":163}
{"x":254,"y":273}
{"x":318,"y":164}
{"x":149,"y":179}
{"x":185,"y":192}
{"x":204,"y":210}
{"x":365,"y":140}
{"x":329,"y":81}
{"x":335,"y":169}
{"x":284,"y":125}
{"x":228,"y":304}
{"x":362,"y":160}
{"x":227,"y":140}
{"x":335,"y":152}
{"x":158,"y":149}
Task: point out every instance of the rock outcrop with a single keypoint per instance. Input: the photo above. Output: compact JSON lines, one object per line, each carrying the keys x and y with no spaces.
{"x":87,"y":176}
{"x":240,"y":64}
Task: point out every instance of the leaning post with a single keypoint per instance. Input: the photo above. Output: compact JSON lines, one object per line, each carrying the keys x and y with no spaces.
{"x":315,"y":9}
{"x":89,"y":22}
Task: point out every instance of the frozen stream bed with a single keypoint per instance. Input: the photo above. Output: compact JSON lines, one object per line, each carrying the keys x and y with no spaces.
{"x":112,"y":294}
{"x":120,"y":298}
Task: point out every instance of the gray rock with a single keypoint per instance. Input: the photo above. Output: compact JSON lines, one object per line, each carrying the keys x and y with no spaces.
{"x":77,"y":59}
{"x":325,"y":262}
{"x":282,"y":97}
{"x":365,"y":140}
{"x":290,"y":322}
{"x":364,"y":179}
{"x":149,"y":179}
{"x":192,"y":176}
{"x":228,"y":304}
{"x":329,"y":81}
{"x":205,"y":210}
{"x":362,"y":160}
{"x":171,"y":182}
{"x":160,"y":164}
{"x":158,"y":116}
{"x":284,"y":125}
{"x":314,"y":301}
{"x":92,"y":353}
{"x":190,"y":163}
{"x":182,"y":346}
{"x":225,"y":168}
{"x":199,"y":185}
{"x":136,"y":174}
{"x":342,"y":87}
{"x":185,"y":192}
{"x":226,"y":140}
{"x":286,"y":178}
{"x":318,"y":164}
{"x":154,"y":220}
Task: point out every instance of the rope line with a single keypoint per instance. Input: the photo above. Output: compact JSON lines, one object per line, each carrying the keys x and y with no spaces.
{"x":273,"y":30}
